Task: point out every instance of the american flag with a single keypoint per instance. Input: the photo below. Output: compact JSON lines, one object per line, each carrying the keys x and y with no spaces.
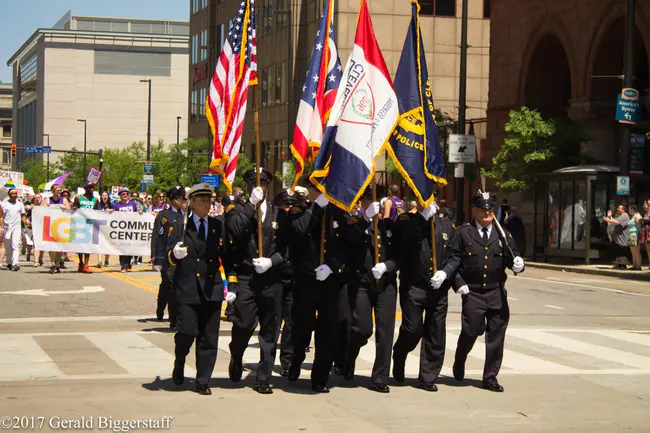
{"x":318,"y":92}
{"x":226,"y":102}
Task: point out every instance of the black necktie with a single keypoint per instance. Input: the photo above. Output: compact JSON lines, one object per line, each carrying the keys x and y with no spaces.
{"x":485,"y":234}
{"x":201,"y":229}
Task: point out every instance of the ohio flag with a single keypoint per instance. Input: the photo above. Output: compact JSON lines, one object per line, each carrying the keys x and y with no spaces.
{"x":363,"y":116}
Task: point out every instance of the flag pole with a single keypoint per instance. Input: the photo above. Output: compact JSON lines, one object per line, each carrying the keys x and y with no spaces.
{"x":434,"y":253}
{"x":375,"y":223}
{"x":256,"y":121}
{"x":323,"y":227}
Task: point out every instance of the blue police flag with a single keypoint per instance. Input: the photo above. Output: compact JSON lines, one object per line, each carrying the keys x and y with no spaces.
{"x":414,"y":144}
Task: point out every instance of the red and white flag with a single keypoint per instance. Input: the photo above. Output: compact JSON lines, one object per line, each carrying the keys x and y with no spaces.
{"x":226,"y":103}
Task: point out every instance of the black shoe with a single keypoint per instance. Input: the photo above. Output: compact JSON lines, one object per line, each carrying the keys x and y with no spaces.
{"x":427,"y":386}
{"x":294,"y":372}
{"x":172,"y":327}
{"x":263,"y":387}
{"x":320,"y":388}
{"x":235,"y":370}
{"x":338,"y":370}
{"x":459,"y":371}
{"x":284,"y":372}
{"x":398,"y":370}
{"x":160,"y":313}
{"x":379,"y":387}
{"x":203,"y":389}
{"x":348,"y":371}
{"x":178,"y":376}
{"x":10,"y":267}
{"x":16,"y":268}
{"x":492,"y":385}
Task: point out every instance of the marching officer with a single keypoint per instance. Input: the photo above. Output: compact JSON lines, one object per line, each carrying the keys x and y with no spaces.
{"x":317,"y":286}
{"x":259,"y":287}
{"x":423,"y":293}
{"x":373,"y":288}
{"x":480,"y":280}
{"x":197,"y":255}
{"x":162,"y":229}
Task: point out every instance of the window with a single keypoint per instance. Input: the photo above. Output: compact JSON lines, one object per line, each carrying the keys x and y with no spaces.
{"x":6,"y":131}
{"x":487,"y":10}
{"x":221,"y":38}
{"x":439,"y":8}
{"x":279,"y":79}
{"x":281,"y":17}
{"x":195,"y":49}
{"x":193,"y":105}
{"x":265,"y":88}
{"x":204,"y":45}
{"x":203,"y":94}
{"x":204,"y":4}
{"x":5,"y":157}
{"x":195,"y":6}
{"x":268,"y":16}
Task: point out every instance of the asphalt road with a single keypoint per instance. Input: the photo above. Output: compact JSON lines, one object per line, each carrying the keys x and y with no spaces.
{"x":577,"y":359}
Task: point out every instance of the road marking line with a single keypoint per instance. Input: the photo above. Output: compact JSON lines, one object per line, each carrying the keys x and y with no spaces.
{"x":627,"y":336}
{"x":23,"y":359}
{"x":512,"y":299}
{"x":574,"y":345}
{"x":585,"y":285}
{"x":554,"y":306}
{"x":135,"y":354}
{"x":70,"y":319}
{"x":127,"y":280}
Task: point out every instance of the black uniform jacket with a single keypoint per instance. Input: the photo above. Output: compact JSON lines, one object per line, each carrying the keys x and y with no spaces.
{"x":241,"y":225}
{"x":305,"y":235}
{"x":411,"y":235}
{"x":359,"y":240}
{"x":161,"y":230}
{"x":483,"y":265}
{"x":197,"y":275}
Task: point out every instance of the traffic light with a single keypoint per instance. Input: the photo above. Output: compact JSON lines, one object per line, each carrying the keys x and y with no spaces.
{"x":13,"y":150}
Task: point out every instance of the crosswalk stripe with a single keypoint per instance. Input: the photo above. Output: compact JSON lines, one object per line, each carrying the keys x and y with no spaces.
{"x":135,"y":354}
{"x":627,"y":336}
{"x":23,"y":359}
{"x":572,"y":345}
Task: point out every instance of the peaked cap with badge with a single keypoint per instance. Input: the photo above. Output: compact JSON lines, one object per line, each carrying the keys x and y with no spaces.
{"x":250,"y":176}
{"x":200,"y":189}
{"x":483,"y":200}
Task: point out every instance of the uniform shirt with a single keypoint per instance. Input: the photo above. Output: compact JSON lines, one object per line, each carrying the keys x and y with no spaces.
{"x":12,"y":213}
{"x":480,"y":229}
{"x":129,"y":206}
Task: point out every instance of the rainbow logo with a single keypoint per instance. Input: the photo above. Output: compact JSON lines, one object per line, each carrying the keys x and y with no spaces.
{"x":10,"y":184}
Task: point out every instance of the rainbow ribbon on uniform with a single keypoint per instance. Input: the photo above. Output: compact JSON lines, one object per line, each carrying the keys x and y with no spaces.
{"x":222,"y":271}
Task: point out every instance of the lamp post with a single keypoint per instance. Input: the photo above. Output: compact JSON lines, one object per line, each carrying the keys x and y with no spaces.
{"x":628,"y":82}
{"x":84,"y":122}
{"x":462,"y":109}
{"x":178,"y":130}
{"x":47,"y":175}
{"x":148,"y":121}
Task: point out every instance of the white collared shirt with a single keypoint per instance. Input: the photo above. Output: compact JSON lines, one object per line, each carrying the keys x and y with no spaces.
{"x":480,"y":229}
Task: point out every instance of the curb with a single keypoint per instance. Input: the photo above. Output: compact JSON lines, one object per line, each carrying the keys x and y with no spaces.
{"x":634,"y":275}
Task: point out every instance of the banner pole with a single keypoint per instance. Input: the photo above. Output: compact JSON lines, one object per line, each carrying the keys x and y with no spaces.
{"x":434,"y":253}
{"x":257,"y":170}
{"x":375,"y":223}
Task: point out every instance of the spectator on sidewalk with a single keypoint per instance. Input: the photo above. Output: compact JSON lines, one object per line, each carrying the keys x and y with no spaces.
{"x":617,"y":228}
{"x":634,"y":229}
{"x":644,"y":235}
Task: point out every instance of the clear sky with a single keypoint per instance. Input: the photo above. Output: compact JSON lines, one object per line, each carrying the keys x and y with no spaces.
{"x":21,"y":18}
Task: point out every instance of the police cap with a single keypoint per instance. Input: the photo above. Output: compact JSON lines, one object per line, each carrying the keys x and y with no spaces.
{"x":250,"y":176}
{"x":175,"y":191}
{"x":200,"y":189}
{"x":286,"y":196}
{"x":483,"y":200}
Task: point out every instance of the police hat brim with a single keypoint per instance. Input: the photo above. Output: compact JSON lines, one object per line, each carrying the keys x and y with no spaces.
{"x":250,"y":177}
{"x":479,"y":202}
{"x":285,"y":198}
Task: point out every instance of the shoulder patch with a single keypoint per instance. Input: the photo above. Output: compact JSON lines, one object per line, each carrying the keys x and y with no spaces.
{"x":404,"y":216}
{"x":164,"y":220}
{"x":171,"y":229}
{"x":453,"y":226}
{"x":353,"y":219}
{"x":510,"y":235}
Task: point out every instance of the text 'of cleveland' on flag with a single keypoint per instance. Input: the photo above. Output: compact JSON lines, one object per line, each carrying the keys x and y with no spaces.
{"x":363,"y":116}
{"x":414,"y":145}
{"x":226,"y":102}
{"x":318,"y":93}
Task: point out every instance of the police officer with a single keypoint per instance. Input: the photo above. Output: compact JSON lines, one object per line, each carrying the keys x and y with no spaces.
{"x":423,"y":292}
{"x":259,"y":287}
{"x":481,"y":281}
{"x":162,"y":229}
{"x":198,"y":254}
{"x":373,"y":288}
{"x":317,"y":286}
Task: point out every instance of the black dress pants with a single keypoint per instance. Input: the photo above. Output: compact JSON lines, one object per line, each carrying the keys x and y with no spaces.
{"x":166,"y":296}
{"x":259,"y":299}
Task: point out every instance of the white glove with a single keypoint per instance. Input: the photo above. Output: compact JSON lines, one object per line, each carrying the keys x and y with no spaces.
{"x":372,"y":210}
{"x":262,"y":264}
{"x":322,"y":272}
{"x":257,"y":195}
{"x":322,"y":201}
{"x":438,"y":278}
{"x":180,"y":251}
{"x":379,"y":269}
{"x":157,"y":268}
{"x":301,"y":190}
{"x":518,"y":264}
{"x":429,"y":211}
{"x":230,"y":297}
{"x":463,"y":290}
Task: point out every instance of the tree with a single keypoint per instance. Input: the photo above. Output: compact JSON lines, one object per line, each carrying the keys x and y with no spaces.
{"x":35,"y":172}
{"x":534,"y":146}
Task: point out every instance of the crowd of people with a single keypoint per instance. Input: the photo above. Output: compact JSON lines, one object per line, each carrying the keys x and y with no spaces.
{"x":629,"y":230}
{"x":297,"y":265}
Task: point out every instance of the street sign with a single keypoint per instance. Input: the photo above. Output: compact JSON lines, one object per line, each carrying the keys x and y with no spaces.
{"x":628,"y":107}
{"x":623,"y":185}
{"x":462,"y":149}
{"x":210,"y":178}
{"x":148,"y":167}
{"x":148,"y":178}
{"x":637,"y":154}
{"x":459,"y":171}
{"x":30,"y":149}
{"x":38,"y":149}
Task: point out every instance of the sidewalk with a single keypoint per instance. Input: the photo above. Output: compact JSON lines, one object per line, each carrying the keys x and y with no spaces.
{"x":599,"y":269}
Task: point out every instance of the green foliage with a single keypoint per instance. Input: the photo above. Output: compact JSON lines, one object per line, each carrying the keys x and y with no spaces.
{"x":35,"y":173}
{"x":243,"y":164}
{"x":291,"y":174}
{"x":534,"y":146}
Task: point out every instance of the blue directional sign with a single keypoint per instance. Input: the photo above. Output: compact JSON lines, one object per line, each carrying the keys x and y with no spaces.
{"x":38,"y":149}
{"x":628,"y":107}
{"x":210,"y":179}
{"x":30,"y":149}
